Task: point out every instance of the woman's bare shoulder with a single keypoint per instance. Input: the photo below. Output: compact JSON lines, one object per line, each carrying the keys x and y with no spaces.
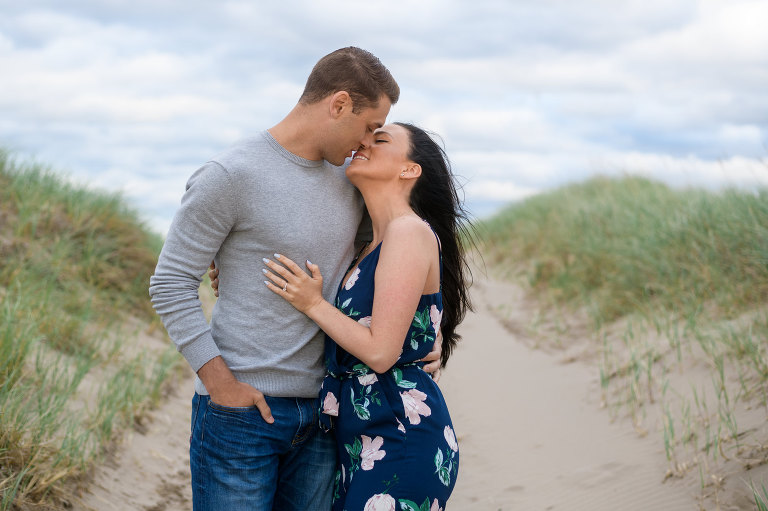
{"x":409,"y":226}
{"x":409,"y":231}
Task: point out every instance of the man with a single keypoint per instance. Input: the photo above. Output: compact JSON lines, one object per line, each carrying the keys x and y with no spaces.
{"x":255,"y":443}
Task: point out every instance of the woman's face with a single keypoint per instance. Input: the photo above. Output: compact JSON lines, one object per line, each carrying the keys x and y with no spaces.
{"x":385,"y":158}
{"x":354,"y":129}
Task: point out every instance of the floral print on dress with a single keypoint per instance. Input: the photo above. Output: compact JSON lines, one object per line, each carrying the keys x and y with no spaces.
{"x":397,"y":374}
{"x":421,"y":329}
{"x":409,"y":505}
{"x":361,"y":402}
{"x":367,"y":379}
{"x":445,"y":468}
{"x":436,"y":315}
{"x":450,"y":437}
{"x":415,"y":407}
{"x":380,"y":502}
{"x":390,"y":426}
{"x":385,"y":502}
{"x":346,"y":308}
{"x":337,"y":483}
{"x":352,"y":279}
{"x":371,"y":451}
{"x":363,"y":452}
{"x":331,"y":405}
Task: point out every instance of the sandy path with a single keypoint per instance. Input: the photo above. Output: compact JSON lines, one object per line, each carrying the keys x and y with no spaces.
{"x":531,"y":432}
{"x":150,"y":469}
{"x":532,"y":435}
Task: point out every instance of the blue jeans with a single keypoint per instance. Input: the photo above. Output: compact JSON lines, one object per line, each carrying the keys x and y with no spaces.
{"x":239,"y":462}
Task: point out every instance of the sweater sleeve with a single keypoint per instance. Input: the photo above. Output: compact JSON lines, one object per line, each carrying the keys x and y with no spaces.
{"x":207,"y":214}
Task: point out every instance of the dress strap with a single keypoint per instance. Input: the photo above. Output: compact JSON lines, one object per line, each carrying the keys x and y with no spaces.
{"x":439,"y":252}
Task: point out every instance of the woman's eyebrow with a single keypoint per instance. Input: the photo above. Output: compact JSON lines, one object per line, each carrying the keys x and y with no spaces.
{"x":382,"y":132}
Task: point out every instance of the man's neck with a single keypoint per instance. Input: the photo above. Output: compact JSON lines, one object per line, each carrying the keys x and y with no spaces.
{"x":297,"y":132}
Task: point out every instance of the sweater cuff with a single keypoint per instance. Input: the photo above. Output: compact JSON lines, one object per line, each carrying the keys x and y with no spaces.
{"x":200,"y":352}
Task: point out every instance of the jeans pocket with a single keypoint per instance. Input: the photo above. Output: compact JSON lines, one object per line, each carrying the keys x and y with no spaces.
{"x":196,"y":403}
{"x":232,"y":409}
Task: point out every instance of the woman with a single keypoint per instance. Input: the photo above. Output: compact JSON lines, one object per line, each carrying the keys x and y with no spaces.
{"x":394,"y":436}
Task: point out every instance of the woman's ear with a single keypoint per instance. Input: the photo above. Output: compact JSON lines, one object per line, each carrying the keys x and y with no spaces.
{"x":412,"y":171}
{"x":339,"y":102}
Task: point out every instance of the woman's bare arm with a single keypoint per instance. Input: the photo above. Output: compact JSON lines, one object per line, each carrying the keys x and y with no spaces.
{"x":407,"y":255}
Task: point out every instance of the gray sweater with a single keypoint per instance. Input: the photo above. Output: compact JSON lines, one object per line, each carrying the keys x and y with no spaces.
{"x":255,"y":200}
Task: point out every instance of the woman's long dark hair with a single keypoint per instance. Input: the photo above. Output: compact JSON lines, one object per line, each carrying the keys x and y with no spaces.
{"x":435,"y":199}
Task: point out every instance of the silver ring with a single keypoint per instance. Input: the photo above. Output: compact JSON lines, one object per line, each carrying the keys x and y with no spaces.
{"x":285,"y":286}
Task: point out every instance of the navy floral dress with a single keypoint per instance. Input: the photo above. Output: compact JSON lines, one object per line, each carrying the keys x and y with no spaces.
{"x":395,"y":440}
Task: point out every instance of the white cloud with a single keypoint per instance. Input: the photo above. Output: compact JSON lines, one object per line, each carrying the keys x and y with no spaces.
{"x":498,"y":191}
{"x":744,"y":133}
{"x":526,"y":95}
{"x":735,"y":171}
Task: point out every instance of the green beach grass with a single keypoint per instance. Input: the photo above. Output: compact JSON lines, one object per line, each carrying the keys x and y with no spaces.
{"x":74,"y":272}
{"x":671,"y":286}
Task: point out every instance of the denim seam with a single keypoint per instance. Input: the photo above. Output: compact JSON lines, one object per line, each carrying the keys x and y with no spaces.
{"x":230,"y":409}
{"x":196,"y":411}
{"x":200,"y":456}
{"x":298,"y":437}
{"x":304,"y":437}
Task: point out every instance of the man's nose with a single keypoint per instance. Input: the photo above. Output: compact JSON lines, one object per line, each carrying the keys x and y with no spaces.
{"x":367,"y":140}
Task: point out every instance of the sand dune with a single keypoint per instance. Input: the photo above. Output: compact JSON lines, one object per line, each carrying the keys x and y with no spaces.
{"x":531,"y":431}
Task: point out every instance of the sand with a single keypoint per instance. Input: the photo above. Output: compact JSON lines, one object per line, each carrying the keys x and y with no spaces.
{"x":149,"y":471}
{"x":532,"y":434}
{"x":531,"y":430}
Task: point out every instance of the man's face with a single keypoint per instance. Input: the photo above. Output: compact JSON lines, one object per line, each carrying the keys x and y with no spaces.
{"x":356,"y":129}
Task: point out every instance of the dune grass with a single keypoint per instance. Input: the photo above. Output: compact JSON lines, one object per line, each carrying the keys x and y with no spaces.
{"x":761,"y":497}
{"x":74,"y":266}
{"x":673,"y":285}
{"x":633,"y":243}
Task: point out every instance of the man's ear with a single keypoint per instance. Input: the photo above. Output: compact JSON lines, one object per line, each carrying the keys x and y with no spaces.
{"x":340,"y":101}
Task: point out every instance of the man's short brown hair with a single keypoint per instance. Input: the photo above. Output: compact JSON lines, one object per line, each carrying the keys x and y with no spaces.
{"x":354,"y":70}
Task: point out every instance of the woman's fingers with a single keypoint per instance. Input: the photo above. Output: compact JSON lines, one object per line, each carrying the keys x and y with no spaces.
{"x":288,"y":272}
{"x":293,"y":267}
{"x":294,"y":284}
{"x":314,"y":269}
{"x":281,"y":276}
{"x":274,"y":288}
{"x":278,"y":281}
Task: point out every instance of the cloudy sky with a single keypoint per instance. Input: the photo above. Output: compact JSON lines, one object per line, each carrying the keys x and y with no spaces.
{"x":527,"y":94}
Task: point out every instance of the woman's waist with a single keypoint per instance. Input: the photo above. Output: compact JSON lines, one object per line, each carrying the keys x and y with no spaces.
{"x":359,"y":369}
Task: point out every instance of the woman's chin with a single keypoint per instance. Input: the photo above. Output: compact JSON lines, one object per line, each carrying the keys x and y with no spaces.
{"x":351,"y":174}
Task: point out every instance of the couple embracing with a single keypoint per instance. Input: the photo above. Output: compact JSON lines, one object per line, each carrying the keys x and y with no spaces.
{"x":341,"y":279}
